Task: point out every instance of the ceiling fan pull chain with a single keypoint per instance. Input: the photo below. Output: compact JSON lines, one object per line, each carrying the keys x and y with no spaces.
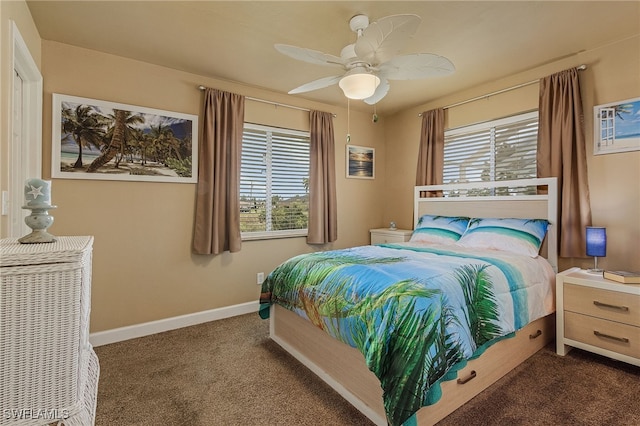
{"x":348,"y":120}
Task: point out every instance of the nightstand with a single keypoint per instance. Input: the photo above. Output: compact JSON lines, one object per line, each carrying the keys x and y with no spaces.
{"x":597,"y":315}
{"x":386,"y":235}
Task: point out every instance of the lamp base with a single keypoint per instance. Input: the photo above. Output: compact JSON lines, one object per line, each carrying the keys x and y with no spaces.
{"x":595,"y":269}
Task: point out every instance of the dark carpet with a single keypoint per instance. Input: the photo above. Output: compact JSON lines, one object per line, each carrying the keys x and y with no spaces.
{"x":229,"y":372}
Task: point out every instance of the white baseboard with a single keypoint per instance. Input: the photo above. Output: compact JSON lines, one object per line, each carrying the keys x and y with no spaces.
{"x":145,"y":329}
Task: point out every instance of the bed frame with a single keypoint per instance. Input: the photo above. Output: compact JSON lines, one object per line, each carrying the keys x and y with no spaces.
{"x":344,"y":368}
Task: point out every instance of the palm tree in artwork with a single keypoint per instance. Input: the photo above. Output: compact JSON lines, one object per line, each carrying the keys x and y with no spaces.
{"x":175,"y":144}
{"x":142,"y":142}
{"x":122,"y":131}
{"x":159,"y":135}
{"x":623,"y":109}
{"x":167,"y":145}
{"x":85,"y":126}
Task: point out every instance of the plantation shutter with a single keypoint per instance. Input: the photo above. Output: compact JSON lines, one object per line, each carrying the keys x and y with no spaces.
{"x":274,"y":181}
{"x":502,"y":149}
{"x":253,"y":179}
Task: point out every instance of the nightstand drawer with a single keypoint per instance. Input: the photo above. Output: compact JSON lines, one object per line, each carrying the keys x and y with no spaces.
{"x":383,"y":239}
{"x":610,"y":335}
{"x":610,"y":305}
{"x":384,"y":236}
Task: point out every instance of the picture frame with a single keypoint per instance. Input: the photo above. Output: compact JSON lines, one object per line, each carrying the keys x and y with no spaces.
{"x":148,"y":145}
{"x":616,"y":127}
{"x":360,"y":162}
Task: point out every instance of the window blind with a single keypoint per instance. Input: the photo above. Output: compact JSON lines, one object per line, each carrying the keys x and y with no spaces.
{"x":503,"y":149}
{"x":274,"y":180}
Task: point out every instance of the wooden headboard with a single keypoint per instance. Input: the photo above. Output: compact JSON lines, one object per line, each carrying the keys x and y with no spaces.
{"x":542,"y":206}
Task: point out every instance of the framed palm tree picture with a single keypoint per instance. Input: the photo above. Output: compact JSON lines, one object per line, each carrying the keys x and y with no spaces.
{"x":616,"y":127}
{"x":95,"y":139}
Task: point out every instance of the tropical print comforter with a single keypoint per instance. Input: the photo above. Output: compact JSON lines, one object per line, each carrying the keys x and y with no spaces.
{"x":416,"y":312}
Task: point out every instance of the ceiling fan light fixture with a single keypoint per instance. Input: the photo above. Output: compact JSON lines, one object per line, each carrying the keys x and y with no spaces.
{"x":359,"y":85}
{"x":370,"y":62}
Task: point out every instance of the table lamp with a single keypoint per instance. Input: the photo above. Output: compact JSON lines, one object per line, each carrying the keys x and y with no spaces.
{"x":596,"y":246}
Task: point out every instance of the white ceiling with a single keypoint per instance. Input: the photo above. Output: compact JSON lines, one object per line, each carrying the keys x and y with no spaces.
{"x":233,"y":40}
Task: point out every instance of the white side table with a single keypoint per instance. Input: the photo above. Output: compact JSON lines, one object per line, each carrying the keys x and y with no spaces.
{"x":386,"y":235}
{"x":597,"y":315}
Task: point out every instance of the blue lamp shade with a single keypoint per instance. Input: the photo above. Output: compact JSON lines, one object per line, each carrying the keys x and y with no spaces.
{"x":596,"y":241}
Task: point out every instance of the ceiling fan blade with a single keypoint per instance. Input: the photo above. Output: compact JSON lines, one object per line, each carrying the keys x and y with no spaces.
{"x":384,"y":39}
{"x":416,"y":66}
{"x":316,"y":84}
{"x":308,"y":55}
{"x":381,"y":92}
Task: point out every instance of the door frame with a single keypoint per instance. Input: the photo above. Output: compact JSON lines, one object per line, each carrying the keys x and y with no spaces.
{"x":25,"y":156}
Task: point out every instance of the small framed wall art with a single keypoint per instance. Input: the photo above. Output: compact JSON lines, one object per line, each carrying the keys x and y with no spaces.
{"x":616,"y":127}
{"x":360,"y":162}
{"x":102,"y":140}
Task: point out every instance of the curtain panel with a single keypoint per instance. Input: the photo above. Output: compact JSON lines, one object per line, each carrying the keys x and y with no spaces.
{"x":217,"y":218}
{"x":323,"y":213}
{"x":562,"y":154}
{"x":431,"y":149}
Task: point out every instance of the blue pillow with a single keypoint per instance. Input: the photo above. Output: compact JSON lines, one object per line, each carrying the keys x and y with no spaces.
{"x":523,"y":236}
{"x":439,"y":229}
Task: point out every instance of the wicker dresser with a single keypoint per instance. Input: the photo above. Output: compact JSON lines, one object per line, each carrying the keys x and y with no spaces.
{"x":48,"y":370}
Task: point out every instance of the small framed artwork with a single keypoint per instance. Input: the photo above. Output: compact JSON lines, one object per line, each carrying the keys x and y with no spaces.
{"x":102,"y":140}
{"x":616,"y":127}
{"x":360,"y":162}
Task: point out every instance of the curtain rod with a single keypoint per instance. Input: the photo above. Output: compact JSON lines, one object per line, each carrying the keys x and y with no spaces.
{"x":264,"y":101}
{"x":508,"y":89}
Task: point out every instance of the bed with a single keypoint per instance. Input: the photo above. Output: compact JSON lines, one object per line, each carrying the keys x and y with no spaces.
{"x":409,"y":332}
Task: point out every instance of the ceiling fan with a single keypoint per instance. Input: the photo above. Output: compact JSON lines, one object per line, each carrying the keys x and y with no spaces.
{"x":372,"y":61}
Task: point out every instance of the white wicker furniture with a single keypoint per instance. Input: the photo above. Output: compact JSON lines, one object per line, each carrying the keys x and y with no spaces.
{"x":48,"y":369}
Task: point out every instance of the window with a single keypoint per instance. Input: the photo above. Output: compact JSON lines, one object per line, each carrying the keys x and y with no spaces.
{"x":274,"y":182}
{"x":607,"y":126}
{"x":502,"y":149}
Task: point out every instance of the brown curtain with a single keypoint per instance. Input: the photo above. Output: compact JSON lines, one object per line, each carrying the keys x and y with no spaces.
{"x":323,"y":216}
{"x":217,"y":221}
{"x":431,"y":150}
{"x":562,"y":154}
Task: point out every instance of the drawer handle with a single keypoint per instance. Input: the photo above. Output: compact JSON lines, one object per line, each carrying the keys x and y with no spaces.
{"x":606,"y":305}
{"x":607,"y":336}
{"x":536,"y":335}
{"x":471,"y":376}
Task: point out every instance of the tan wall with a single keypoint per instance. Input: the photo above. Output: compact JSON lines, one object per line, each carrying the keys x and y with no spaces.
{"x":18,"y":13}
{"x":614,"y":179}
{"x":143,"y":268}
